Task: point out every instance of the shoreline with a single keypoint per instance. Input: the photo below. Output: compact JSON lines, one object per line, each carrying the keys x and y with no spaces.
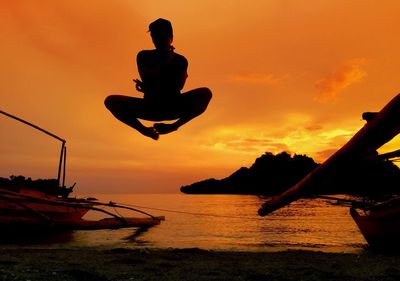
{"x":120,"y":264}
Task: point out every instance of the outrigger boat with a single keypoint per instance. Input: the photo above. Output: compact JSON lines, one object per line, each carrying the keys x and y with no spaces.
{"x":46,"y":204}
{"x":379,"y":222}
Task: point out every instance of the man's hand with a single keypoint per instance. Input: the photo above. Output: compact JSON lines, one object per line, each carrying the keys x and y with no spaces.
{"x":139,"y":85}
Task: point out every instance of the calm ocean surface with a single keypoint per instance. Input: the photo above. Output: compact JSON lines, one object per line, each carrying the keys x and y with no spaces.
{"x":230,"y":222}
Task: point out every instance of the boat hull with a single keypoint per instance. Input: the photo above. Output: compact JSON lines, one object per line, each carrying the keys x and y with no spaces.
{"x":38,"y":212}
{"x":380,"y":229}
{"x":15,"y":208}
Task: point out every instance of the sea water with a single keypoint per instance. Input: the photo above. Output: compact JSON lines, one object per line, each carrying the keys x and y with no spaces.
{"x":222,"y":222}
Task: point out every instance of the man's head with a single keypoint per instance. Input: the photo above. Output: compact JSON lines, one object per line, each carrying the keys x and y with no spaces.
{"x":161,"y":33}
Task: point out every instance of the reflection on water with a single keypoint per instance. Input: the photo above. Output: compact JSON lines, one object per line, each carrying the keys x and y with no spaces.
{"x":231,"y":223}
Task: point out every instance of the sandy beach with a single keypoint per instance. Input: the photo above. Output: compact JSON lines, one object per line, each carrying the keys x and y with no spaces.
{"x":192,"y":264}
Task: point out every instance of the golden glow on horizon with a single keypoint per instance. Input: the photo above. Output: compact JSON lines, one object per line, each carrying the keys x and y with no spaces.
{"x":286,"y":76}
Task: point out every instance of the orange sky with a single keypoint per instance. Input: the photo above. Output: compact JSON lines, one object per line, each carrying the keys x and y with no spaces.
{"x":286,"y":76}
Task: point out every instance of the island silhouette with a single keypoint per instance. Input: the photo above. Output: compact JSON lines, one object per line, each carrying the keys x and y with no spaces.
{"x":273,"y":174}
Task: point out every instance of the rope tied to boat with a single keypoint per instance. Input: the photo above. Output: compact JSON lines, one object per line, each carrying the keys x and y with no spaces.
{"x":195,"y":214}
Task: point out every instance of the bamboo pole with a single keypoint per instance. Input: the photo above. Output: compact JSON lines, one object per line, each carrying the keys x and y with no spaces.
{"x":381,"y":129}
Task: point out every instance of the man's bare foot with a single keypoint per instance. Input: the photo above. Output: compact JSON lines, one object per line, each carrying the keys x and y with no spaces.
{"x":163,"y":128}
{"x":149,"y":132}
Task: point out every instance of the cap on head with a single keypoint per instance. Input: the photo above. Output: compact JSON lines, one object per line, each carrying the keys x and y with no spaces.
{"x":161,"y":27}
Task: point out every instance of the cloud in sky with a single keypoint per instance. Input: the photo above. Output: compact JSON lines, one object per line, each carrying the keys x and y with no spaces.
{"x":325,"y":154}
{"x":254,"y":146}
{"x":304,"y":137}
{"x":349,"y":73}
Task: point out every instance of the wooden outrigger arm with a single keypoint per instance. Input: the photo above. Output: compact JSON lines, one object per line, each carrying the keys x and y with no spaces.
{"x":383,"y":127}
{"x":63,"y":153}
{"x":386,"y":156}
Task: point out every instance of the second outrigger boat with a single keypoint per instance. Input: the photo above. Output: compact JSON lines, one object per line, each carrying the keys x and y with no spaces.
{"x":46,"y":204}
{"x":379,"y":223}
{"x":378,"y":220}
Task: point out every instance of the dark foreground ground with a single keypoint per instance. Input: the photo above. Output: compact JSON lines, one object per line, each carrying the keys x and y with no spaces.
{"x":192,"y":264}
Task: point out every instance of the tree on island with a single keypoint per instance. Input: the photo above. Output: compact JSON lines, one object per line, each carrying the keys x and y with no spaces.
{"x":15,"y":183}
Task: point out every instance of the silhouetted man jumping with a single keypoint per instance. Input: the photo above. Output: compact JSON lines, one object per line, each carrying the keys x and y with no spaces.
{"x":163,"y":73}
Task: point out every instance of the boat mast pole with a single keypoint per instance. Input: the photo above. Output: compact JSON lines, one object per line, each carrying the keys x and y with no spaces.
{"x":61,"y":164}
{"x":65,"y":164}
{"x":47,"y":133}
